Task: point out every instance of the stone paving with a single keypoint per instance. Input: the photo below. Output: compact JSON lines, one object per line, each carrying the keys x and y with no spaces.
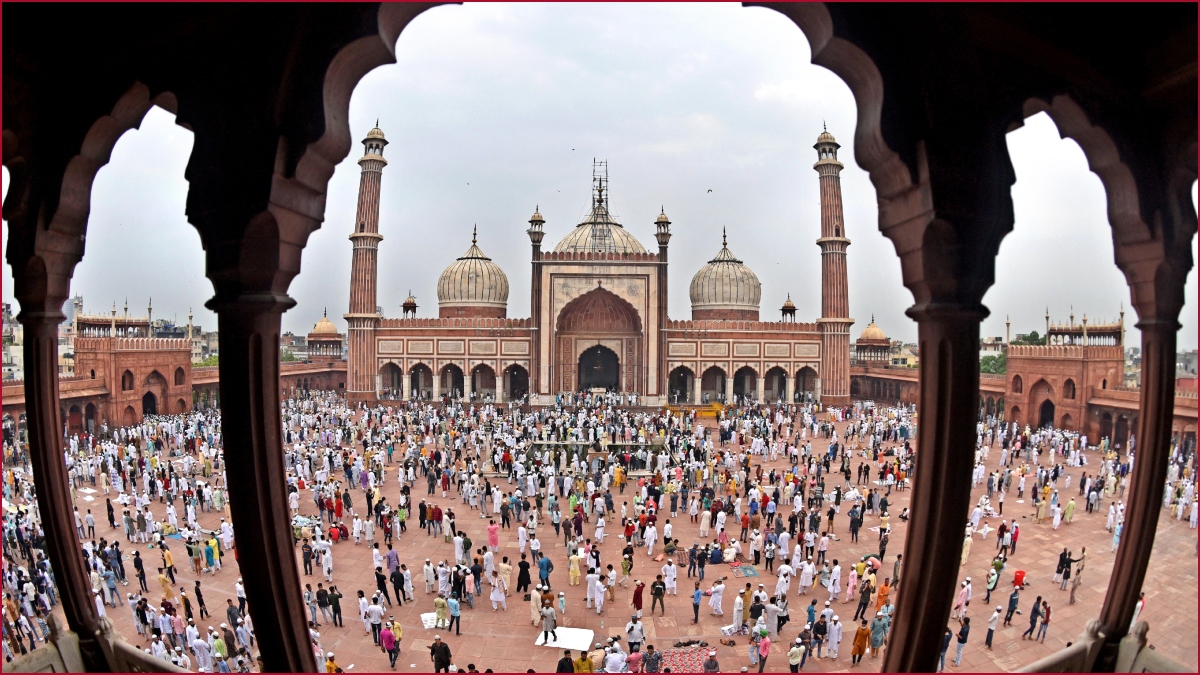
{"x":504,"y":641}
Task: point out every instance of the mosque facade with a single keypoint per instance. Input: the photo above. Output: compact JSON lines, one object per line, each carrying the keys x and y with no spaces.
{"x":598,"y":317}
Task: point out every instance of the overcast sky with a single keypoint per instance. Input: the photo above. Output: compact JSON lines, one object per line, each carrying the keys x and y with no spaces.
{"x":493,"y":109}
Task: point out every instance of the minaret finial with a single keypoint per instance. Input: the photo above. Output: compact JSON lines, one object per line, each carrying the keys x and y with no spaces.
{"x":872,"y":317}
{"x":724,"y":239}
{"x":325,"y":313}
{"x":475,"y":234}
{"x":376,"y":122}
{"x":823,"y":127}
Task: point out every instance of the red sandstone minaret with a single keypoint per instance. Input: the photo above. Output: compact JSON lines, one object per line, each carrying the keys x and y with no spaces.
{"x":363,"y":317}
{"x":835,"y":318}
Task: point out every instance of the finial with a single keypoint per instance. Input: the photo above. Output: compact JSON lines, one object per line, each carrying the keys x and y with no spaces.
{"x":823,"y":127}
{"x":325,"y":313}
{"x":724,"y":239}
{"x":872,"y":317}
{"x":475,"y":234}
{"x":376,"y":122}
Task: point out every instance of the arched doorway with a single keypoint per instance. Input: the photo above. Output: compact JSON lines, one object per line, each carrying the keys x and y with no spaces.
{"x":129,"y":416}
{"x":599,"y":368}
{"x":89,"y":418}
{"x":516,"y":381}
{"x":181,"y":406}
{"x":149,"y":404}
{"x":712,"y":385}
{"x":1121,"y":434}
{"x":74,"y":421}
{"x":1106,"y":425}
{"x":680,"y":384}
{"x":391,"y":380}
{"x":483,"y":382}
{"x":1067,"y":422}
{"x":991,"y":406}
{"x":775,"y":384}
{"x":421,"y":381}
{"x":452,"y":381}
{"x":1046,"y":414}
{"x":598,"y":318}
{"x":745,"y":382}
{"x":806,"y":384}
{"x":1015,"y":414}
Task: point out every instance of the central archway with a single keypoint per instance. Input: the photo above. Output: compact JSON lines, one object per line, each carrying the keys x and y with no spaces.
{"x":1046,"y":414}
{"x":149,"y":404}
{"x":599,"y":367}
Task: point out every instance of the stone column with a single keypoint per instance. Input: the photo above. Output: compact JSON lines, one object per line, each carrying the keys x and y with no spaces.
{"x":1152,"y":453}
{"x":941,"y":495}
{"x":406,"y":384}
{"x":790,"y":388}
{"x":251,"y":423}
{"x":696,"y":393}
{"x":729,"y":388}
{"x":437,"y":386}
{"x":759,"y":386}
{"x":53,"y":487}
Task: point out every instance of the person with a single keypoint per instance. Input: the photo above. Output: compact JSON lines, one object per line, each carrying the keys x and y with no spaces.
{"x":697,"y":595}
{"x":1034,"y":614}
{"x":991,"y":624}
{"x":635,"y":632}
{"x":1012,"y":605}
{"x":764,"y":649}
{"x":387,"y":641}
{"x":439,"y":653}
{"x":862,"y":638}
{"x":879,"y":628}
{"x":583,"y":664}
{"x":946,"y":638}
{"x":795,"y":655}
{"x":963,"y":632}
{"x":331,"y":666}
{"x":711,"y":665}
{"x":549,"y":623}
{"x":652,"y":660}
{"x":658,"y":591}
{"x":565,"y":664}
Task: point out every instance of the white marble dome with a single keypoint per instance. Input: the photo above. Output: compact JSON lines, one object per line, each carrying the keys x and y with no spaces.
{"x":473,"y":280}
{"x":725,"y":283}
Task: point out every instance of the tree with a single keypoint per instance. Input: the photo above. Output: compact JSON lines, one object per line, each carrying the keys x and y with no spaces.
{"x":210,"y":360}
{"x":286,"y":355}
{"x":993,"y":365}
{"x":1031,"y":339}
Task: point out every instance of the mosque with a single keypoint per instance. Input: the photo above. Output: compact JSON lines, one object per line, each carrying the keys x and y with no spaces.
{"x":598,"y":317}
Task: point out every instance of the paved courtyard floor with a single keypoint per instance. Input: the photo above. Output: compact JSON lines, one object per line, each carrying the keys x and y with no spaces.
{"x":504,"y":641}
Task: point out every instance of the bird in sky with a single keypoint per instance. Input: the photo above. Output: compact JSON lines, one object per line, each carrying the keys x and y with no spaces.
{"x":710,"y":190}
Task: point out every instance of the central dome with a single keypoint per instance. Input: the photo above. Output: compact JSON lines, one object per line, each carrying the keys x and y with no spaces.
{"x":473,"y":285}
{"x":725,"y":289}
{"x":599,"y":233}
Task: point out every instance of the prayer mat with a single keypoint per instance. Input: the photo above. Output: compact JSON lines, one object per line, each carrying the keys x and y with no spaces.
{"x":686,"y":660}
{"x":578,"y":639}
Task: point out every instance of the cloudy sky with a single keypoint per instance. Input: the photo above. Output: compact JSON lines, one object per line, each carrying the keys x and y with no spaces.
{"x":493,"y":109}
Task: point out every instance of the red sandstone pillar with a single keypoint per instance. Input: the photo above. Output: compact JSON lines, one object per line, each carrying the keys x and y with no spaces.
{"x":363,"y":317}
{"x":251,"y":426}
{"x":1151,"y":458}
{"x":53,"y":487}
{"x":941,"y":494}
{"x":835,"y":318}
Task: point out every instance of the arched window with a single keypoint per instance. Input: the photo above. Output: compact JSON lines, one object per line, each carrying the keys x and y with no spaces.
{"x":93,"y":374}
{"x":127,"y":381}
{"x":1017,"y":385}
{"x":1104,"y":384}
{"x":1069,"y":389}
{"x":180,"y":377}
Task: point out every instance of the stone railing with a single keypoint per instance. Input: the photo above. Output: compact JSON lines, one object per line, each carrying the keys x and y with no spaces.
{"x":1132,"y":655}
{"x":62,"y":655}
{"x":458,"y":322}
{"x":572,"y":256}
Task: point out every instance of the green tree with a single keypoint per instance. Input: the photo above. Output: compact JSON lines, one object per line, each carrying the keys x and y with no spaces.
{"x":286,"y":355}
{"x":210,"y":360}
{"x":993,"y":365}
{"x":1032,"y":339}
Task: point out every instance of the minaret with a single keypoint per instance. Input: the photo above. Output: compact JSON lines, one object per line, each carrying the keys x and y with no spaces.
{"x":536,"y":233}
{"x":363,"y":317}
{"x":835,"y":318}
{"x":662,"y":233}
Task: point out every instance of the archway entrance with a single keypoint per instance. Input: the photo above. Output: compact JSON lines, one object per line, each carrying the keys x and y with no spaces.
{"x":1106,"y":425}
{"x":745,"y":382}
{"x":391,"y":380}
{"x":775,"y":384}
{"x":599,"y":367}
{"x":483,"y":383}
{"x":712,"y":385}
{"x":806,"y":384}
{"x":452,"y":381}
{"x":420,"y":381}
{"x":149,"y":404}
{"x":1121,"y":434}
{"x":516,"y":381}
{"x":680,"y":385}
{"x":1046,"y":414}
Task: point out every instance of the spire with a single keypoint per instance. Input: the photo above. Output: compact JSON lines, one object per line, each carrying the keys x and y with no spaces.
{"x":823,"y":127}
{"x":475,"y":234}
{"x":872,"y":316}
{"x":325,"y":313}
{"x":724,"y":239}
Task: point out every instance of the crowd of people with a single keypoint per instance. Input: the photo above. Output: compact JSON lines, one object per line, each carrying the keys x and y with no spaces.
{"x":786,"y":489}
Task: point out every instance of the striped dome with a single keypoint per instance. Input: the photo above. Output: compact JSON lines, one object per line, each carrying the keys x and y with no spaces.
{"x":599,"y":233}
{"x":473,"y":280}
{"x":725,"y":283}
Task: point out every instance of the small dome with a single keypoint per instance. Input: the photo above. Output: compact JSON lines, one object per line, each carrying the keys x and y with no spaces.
{"x":788,"y":304}
{"x":725,"y":283}
{"x":324,"y":327}
{"x":376,"y":132}
{"x":473,"y":280}
{"x":826,"y":137}
{"x":537,"y":216}
{"x":872,"y":332}
{"x":662,"y":218}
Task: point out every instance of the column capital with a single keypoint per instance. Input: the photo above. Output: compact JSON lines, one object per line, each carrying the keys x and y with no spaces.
{"x":262,"y":302}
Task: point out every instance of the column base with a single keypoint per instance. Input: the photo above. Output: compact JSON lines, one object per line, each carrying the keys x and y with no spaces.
{"x":362,"y":397}
{"x":834,"y":401}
